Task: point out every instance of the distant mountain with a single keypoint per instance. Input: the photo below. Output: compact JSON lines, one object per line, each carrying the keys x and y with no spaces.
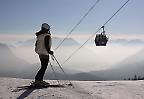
{"x":8,"y":58}
{"x":127,"y":42}
{"x":85,"y":77}
{"x":55,"y":42}
{"x":67,"y":42}
{"x":124,"y":69}
{"x":27,"y":43}
{"x":72,"y":74}
{"x":10,"y":65}
{"x":83,"y":59}
{"x":77,"y":76}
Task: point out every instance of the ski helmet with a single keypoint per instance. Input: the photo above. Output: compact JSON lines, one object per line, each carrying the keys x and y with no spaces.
{"x":46,"y":26}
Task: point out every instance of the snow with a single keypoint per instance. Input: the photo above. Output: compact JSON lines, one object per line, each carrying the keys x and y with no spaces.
{"x":81,"y":90}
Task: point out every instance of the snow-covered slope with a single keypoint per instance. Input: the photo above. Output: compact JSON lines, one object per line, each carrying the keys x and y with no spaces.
{"x":82,"y":90}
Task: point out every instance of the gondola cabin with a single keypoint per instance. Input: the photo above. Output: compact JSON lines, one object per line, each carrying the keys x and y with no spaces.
{"x":101,"y":39}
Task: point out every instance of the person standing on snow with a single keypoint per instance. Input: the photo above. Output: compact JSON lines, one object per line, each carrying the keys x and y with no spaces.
{"x":43,"y":49}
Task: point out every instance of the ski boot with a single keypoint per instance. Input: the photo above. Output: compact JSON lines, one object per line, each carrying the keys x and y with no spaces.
{"x":39,"y":84}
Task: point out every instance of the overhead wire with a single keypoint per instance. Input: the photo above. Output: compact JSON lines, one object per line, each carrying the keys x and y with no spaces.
{"x":95,"y":33}
{"x":85,"y":41}
{"x":78,"y":23}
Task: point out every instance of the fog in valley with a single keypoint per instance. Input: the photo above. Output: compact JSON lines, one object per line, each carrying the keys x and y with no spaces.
{"x":89,"y":63}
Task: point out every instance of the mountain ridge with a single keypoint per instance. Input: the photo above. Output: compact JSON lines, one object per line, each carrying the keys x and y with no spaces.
{"x":127,"y":68}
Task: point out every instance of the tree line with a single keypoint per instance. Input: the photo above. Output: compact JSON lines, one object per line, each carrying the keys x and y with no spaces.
{"x":136,"y":77}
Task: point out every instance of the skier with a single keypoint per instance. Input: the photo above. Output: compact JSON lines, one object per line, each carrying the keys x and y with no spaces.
{"x":43,"y":49}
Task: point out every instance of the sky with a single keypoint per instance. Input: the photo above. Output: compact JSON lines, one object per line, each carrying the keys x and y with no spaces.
{"x":24,"y":17}
{"x":21,"y":19}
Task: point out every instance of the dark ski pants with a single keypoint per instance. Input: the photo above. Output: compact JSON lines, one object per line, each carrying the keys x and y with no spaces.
{"x":44,"y":63}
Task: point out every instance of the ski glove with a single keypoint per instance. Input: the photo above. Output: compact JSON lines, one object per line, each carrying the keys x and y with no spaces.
{"x":51,"y":52}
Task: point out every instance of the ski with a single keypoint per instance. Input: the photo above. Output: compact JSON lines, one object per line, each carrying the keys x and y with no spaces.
{"x":20,"y":88}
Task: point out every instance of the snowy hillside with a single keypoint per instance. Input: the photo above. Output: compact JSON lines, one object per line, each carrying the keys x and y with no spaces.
{"x":82,"y":90}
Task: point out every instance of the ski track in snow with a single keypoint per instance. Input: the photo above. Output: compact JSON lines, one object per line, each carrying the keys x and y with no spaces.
{"x":81,"y":90}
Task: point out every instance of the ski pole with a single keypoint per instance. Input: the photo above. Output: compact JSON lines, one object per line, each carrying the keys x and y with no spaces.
{"x":54,"y":73}
{"x":62,"y":70}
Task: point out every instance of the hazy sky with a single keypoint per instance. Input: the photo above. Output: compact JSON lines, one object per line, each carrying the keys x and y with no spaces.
{"x":26,"y":16}
{"x":20,"y":19}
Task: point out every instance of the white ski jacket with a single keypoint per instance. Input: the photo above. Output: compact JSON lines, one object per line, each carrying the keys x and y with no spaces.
{"x":40,"y":46}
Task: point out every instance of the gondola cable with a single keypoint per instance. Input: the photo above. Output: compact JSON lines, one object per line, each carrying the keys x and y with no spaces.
{"x":79,"y":22}
{"x":95,"y":32}
{"x":60,"y":65}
